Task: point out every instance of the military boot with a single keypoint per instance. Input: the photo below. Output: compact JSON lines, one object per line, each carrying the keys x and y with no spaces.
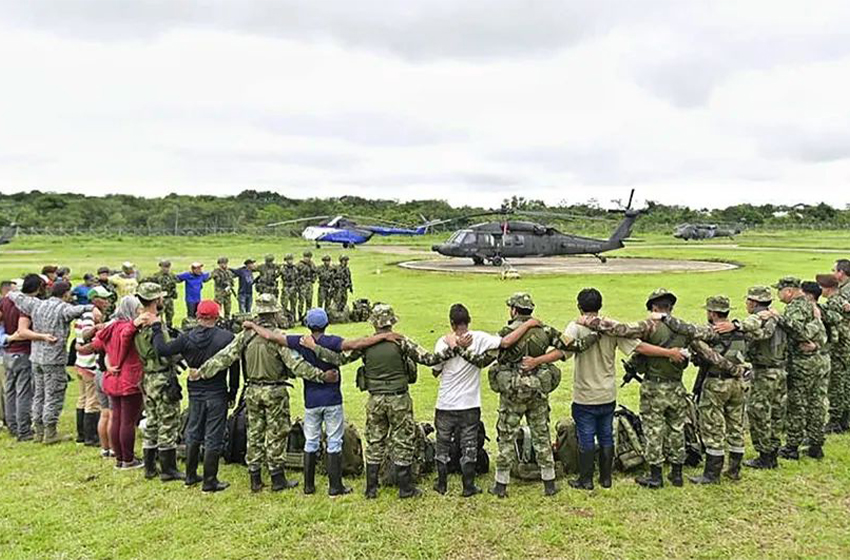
{"x":310,"y":473}
{"x":832,"y":427}
{"x":256,"y":481}
{"x":81,"y":428}
{"x":499,"y":490}
{"x":372,"y":481}
{"x":845,"y":421}
{"x":279,"y":481}
{"x":149,"y":456}
{"x":168,"y":466}
{"x":654,"y":479}
{"x":711,"y":473}
{"x":211,"y":481}
{"x":815,"y":452}
{"x":606,"y":466}
{"x":763,"y":461}
{"x":193,"y":453}
{"x":38,"y":432}
{"x":774,"y":459}
{"x":586,"y":459}
{"x":90,"y":429}
{"x":790,"y":452}
{"x":335,"y":485}
{"x":675,"y":476}
{"x":550,"y":488}
{"x":406,"y":487}
{"x":51,"y":435}
{"x":468,"y":476}
{"x":441,"y":486}
{"x":734,"y":470}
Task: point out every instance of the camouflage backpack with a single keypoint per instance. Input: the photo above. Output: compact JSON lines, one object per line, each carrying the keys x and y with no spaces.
{"x":423,"y":457}
{"x":335,"y":316}
{"x":525,"y":465}
{"x":360,"y":310}
{"x":629,"y":440}
{"x":566,"y":445}
{"x":352,"y":452}
{"x":693,"y":439}
{"x":295,"y":442}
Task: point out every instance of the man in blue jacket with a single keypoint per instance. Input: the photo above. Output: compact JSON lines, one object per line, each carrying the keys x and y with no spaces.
{"x":194,"y":280}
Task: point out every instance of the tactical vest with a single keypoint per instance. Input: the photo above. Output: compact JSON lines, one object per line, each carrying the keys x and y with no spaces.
{"x":506,"y":378}
{"x":533,"y":343}
{"x":289,"y":274}
{"x":262,"y":361}
{"x":384,"y":369}
{"x":663,"y":368}
{"x":733,"y":347}
{"x":769,"y":353}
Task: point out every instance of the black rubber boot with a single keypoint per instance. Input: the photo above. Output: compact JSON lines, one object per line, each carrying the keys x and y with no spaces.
{"x":774,"y":459}
{"x":606,"y":466}
{"x":763,"y":461}
{"x":675,"y":477}
{"x":81,"y":431}
{"x":372,"y":481}
{"x":90,"y":429}
{"x":149,"y":456}
{"x":790,"y":452}
{"x":654,"y":479}
{"x":832,"y":427}
{"x":711,"y":473}
{"x":499,"y":490}
{"x":211,"y":481}
{"x":734,"y":470}
{"x":310,"y":473}
{"x":815,"y":452}
{"x":406,"y":487}
{"x":335,"y":485}
{"x":441,"y":486}
{"x":550,"y":488}
{"x":586,"y":460}
{"x":256,"y":481}
{"x":845,"y":421}
{"x":280,"y":483}
{"x":468,"y":476}
{"x":193,"y":452}
{"x":168,"y":466}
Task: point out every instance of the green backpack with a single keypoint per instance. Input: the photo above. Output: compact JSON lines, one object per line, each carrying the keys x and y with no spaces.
{"x":423,"y":457}
{"x":566,"y":445}
{"x":525,"y":465}
{"x":629,"y":440}
{"x":693,"y":439}
{"x":352,"y":452}
{"x":295,"y":442}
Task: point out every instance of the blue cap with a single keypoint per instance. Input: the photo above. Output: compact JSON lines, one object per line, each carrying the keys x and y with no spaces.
{"x":316,"y":319}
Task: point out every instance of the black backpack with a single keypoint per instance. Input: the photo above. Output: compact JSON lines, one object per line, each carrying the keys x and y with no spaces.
{"x":236,"y":435}
{"x":482,"y":464}
{"x":295,"y":442}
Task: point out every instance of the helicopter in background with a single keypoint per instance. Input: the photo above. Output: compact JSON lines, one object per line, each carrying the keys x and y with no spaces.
{"x":692,"y":232}
{"x":8,"y":233}
{"x":345,"y":231}
{"x":493,"y":242}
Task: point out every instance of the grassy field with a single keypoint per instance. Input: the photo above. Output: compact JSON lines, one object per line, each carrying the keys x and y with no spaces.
{"x":65,"y":502}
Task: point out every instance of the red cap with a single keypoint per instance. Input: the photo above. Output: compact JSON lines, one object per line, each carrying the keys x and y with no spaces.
{"x":208,"y":308}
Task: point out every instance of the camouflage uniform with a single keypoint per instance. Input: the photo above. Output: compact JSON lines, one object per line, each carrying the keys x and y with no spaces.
{"x":325,"y":274}
{"x":223,"y":283}
{"x":306,"y":278}
{"x":269,"y":272}
{"x":289,"y":292}
{"x":342,"y":284}
{"x":167,"y":281}
{"x":807,"y":373}
{"x":268,"y":368}
{"x":838,"y":325}
{"x":523,"y":394}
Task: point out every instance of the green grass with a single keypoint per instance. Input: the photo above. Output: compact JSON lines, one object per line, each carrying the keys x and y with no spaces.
{"x":64,"y":502}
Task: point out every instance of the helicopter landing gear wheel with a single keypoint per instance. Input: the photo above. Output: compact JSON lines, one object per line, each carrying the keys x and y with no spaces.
{"x":477,"y":261}
{"x":602,"y":259}
{"x":497,"y":261}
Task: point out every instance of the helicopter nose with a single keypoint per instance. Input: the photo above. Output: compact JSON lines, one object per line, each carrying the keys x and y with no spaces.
{"x":436,"y":248}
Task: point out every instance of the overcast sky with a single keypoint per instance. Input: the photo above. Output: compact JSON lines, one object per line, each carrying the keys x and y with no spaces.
{"x":703,"y":103}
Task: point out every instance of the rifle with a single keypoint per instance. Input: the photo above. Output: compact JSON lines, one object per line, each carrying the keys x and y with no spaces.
{"x":632,"y":374}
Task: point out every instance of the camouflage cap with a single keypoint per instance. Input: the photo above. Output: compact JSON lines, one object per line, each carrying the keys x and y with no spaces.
{"x":307,"y":254}
{"x":266,"y":303}
{"x":661,"y":293}
{"x":719,"y":304}
{"x":383,"y":316}
{"x":149,"y":291}
{"x":288,"y":257}
{"x":103,"y":270}
{"x":127,"y":265}
{"x":326,"y":258}
{"x":343,"y":258}
{"x":165,"y":264}
{"x":269,"y":257}
{"x":761,"y":294}
{"x":99,"y":292}
{"x":788,"y":282}
{"x":223,"y":260}
{"x":520,"y":299}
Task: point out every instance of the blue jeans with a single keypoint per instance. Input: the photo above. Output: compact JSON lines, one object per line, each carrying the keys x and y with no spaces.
{"x":334,"y":421}
{"x":245,"y":302}
{"x":192,"y":308}
{"x":594,"y":421}
{"x":207,"y":421}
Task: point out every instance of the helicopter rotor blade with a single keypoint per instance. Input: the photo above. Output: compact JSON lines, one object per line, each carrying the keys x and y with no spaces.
{"x":299,"y":220}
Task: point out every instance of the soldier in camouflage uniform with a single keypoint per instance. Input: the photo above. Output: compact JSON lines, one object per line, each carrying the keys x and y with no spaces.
{"x":663,"y":397}
{"x":306,"y":279}
{"x":837,"y":321}
{"x":289,"y":291}
{"x":223,"y":282}
{"x":162,"y":412}
{"x":720,"y":351}
{"x":525,"y":393}
{"x":342,"y":284}
{"x":167,"y":281}
{"x":807,"y":376}
{"x":268,"y":367}
{"x":325,"y":273}
{"x":266,"y":282}
{"x":389,"y":367}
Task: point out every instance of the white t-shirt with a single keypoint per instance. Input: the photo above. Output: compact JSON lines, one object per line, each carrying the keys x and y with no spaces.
{"x":460,"y":381}
{"x":595,"y":368}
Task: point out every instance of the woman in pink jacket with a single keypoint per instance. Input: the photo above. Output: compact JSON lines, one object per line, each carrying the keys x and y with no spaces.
{"x":123,"y":379}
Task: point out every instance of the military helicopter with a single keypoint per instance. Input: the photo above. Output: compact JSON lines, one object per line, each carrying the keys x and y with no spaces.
{"x":493,"y":242}
{"x":345,"y":231}
{"x":690,"y":232}
{"x":8,"y":233}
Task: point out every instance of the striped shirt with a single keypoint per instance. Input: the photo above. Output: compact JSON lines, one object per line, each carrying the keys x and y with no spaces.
{"x":49,"y":316}
{"x":84,"y":323}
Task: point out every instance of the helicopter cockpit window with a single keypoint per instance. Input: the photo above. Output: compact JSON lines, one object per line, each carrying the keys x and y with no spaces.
{"x":468,"y":239}
{"x":456,"y":237}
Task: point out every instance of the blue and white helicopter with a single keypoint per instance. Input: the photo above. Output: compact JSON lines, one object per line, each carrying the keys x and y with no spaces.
{"x":348,"y":233}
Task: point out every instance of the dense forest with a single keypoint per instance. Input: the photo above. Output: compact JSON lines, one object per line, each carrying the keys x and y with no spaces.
{"x":251,"y":211}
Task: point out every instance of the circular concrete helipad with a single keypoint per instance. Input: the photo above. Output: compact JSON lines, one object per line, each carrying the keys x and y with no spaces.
{"x":571,"y":265}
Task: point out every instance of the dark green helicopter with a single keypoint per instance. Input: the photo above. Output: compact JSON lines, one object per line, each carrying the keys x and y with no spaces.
{"x":690,"y":232}
{"x":8,"y":233}
{"x":493,"y":242}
